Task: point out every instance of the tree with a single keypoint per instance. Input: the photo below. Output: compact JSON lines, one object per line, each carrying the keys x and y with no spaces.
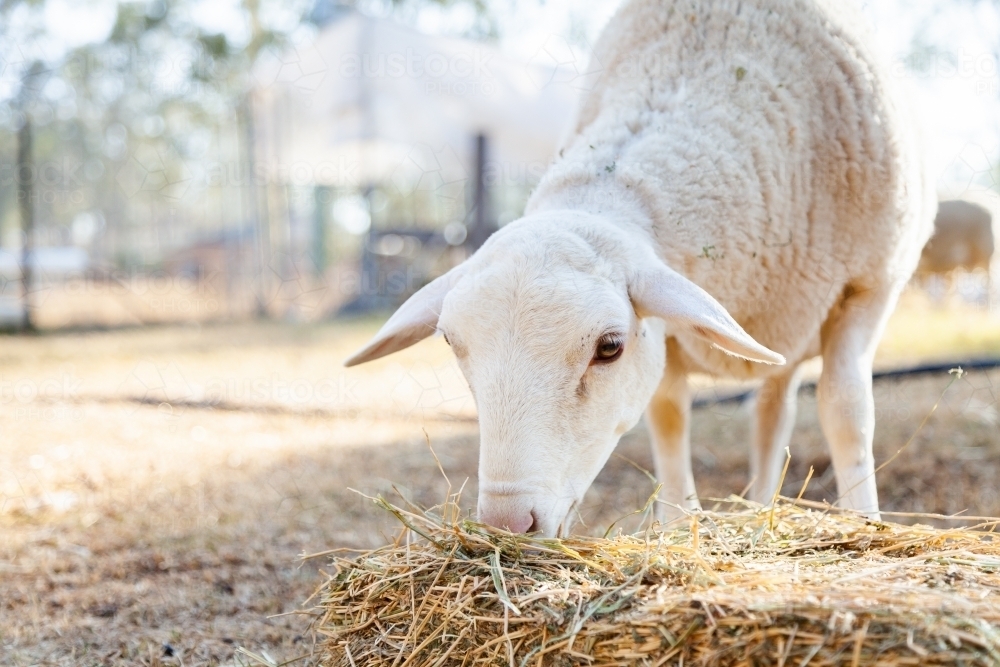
{"x":157,"y":84}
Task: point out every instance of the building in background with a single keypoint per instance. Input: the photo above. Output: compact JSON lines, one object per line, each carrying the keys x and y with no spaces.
{"x":415,"y":148}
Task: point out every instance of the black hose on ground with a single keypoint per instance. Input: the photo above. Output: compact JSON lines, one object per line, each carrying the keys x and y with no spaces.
{"x":922,"y":369}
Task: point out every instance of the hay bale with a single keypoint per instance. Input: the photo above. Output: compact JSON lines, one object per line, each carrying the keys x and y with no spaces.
{"x":788,"y":585}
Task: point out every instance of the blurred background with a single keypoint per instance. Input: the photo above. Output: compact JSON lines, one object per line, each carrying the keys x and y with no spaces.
{"x":220,"y":160}
{"x":206,"y":161}
{"x":205,"y":205}
{"x":226,"y":160}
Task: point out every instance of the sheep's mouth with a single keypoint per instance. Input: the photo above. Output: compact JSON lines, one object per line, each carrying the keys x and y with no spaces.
{"x":567,"y":521}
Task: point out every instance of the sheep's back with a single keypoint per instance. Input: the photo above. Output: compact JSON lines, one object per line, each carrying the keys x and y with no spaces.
{"x":762,"y":140}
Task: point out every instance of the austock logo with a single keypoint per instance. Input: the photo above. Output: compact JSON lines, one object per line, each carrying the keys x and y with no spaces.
{"x":327,"y":392}
{"x":168,"y":386}
{"x":24,"y":391}
{"x":48,"y":399}
{"x":154,"y":170}
{"x":472,"y":64}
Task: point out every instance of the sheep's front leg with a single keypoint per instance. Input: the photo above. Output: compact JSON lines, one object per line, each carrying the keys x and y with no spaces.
{"x":844,"y":395}
{"x":774,"y":419}
{"x":669,"y":420}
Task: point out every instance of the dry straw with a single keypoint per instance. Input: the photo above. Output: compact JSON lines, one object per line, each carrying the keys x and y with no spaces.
{"x":793,"y":583}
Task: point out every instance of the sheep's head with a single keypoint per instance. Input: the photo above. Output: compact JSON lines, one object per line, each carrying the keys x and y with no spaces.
{"x":558,"y":326}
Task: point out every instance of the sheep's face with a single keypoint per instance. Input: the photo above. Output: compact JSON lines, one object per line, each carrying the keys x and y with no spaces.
{"x":558,"y":324}
{"x":560,"y":367}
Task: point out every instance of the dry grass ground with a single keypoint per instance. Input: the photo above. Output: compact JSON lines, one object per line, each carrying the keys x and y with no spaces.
{"x":158,"y":485}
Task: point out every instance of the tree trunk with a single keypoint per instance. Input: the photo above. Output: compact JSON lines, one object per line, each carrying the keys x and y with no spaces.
{"x":26,"y":203}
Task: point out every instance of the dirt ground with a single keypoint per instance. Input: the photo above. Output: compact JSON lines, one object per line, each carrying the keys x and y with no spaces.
{"x":157,"y":486}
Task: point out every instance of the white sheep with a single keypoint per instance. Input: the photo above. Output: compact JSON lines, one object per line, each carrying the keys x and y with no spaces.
{"x":964,"y":238}
{"x":738,"y":172}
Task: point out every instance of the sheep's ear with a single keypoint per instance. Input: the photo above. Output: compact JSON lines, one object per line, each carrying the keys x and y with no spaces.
{"x":659,"y":291}
{"x":415,"y":320}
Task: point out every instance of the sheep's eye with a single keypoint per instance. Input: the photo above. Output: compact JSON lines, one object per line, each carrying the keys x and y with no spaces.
{"x":609,"y":348}
{"x":446,"y":338}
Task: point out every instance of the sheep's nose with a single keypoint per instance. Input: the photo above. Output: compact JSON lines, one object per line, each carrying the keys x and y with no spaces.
{"x":515,"y":523}
{"x":507,"y":512}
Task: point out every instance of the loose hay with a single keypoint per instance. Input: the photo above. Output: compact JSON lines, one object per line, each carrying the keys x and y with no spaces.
{"x":788,"y":585}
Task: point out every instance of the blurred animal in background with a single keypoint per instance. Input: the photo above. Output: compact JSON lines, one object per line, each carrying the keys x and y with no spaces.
{"x":963,"y":240}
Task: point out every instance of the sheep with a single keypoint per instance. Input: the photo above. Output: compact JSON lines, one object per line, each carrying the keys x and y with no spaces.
{"x":963,"y":238}
{"x":741,"y":191}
